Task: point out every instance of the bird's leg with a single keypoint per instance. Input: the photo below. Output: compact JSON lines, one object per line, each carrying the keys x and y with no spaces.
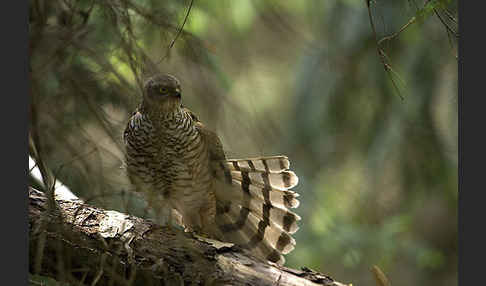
{"x":200,"y":222}
{"x":206,"y":216}
{"x":192,"y":222}
{"x":160,"y":208}
{"x":175,"y":219}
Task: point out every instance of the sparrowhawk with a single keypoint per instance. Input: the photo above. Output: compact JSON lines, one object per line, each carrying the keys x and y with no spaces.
{"x":180,"y":166}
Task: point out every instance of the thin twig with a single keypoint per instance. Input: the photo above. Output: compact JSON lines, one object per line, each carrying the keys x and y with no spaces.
{"x":450,"y":16}
{"x":179,"y":32}
{"x":390,"y":37}
{"x":100,"y":271}
{"x":381,"y":52}
{"x":448,"y":28}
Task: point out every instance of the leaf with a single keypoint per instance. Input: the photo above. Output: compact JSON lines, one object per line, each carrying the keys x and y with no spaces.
{"x":380,"y":277}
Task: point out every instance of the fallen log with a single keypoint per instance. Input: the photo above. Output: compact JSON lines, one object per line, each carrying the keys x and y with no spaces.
{"x":85,"y":245}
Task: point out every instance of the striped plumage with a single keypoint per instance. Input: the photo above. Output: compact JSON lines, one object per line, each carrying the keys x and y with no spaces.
{"x":182,"y":169}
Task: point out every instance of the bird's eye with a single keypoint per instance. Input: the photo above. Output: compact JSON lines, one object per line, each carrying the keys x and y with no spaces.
{"x":163,"y":90}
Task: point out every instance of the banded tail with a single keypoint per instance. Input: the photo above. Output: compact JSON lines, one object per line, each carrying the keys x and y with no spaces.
{"x":253,"y":205}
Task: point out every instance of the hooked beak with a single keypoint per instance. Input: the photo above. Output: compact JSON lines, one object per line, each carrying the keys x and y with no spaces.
{"x":177,"y":93}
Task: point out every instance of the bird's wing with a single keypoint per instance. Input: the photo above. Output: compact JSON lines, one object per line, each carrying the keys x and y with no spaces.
{"x":215,"y":147}
{"x":254,"y":198}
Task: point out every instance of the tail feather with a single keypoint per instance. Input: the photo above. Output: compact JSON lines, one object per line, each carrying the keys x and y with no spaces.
{"x":279,"y":198}
{"x":271,"y":164}
{"x":275,"y":207}
{"x":284,"y":180}
{"x":253,"y":205}
{"x":243,"y":228}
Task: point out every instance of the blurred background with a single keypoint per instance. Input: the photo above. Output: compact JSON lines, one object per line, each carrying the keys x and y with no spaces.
{"x":375,"y":150}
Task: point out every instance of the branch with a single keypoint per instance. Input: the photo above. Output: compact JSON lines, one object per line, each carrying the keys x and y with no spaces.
{"x":381,"y":52}
{"x":178,"y":33}
{"x":87,"y":245}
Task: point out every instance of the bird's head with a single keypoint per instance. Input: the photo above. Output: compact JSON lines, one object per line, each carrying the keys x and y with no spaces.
{"x":163,"y":91}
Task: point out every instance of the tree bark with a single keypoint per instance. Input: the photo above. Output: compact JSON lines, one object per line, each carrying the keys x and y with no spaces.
{"x":85,"y":245}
